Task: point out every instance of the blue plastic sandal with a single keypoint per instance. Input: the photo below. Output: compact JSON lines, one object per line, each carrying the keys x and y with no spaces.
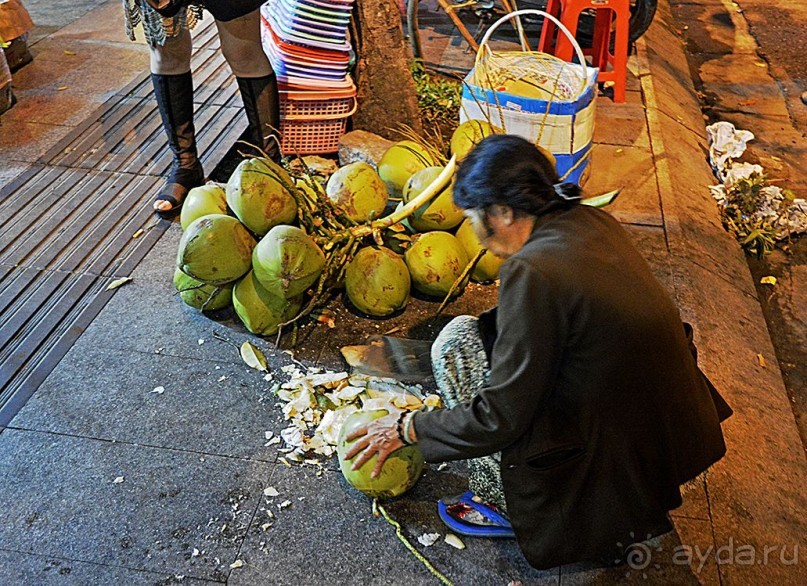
{"x":494,"y":525}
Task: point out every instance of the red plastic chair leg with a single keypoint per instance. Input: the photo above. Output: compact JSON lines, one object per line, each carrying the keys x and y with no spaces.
{"x":602,"y":38}
{"x":620,"y":58}
{"x":548,"y":30}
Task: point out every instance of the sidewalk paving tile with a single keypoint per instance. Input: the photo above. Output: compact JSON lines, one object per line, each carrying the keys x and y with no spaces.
{"x":650,"y":242}
{"x":11,"y":170}
{"x":104,"y":23}
{"x":56,"y":14}
{"x":88,"y":70}
{"x":579,"y":574}
{"x":716,"y":32}
{"x":26,"y":142}
{"x":148,"y":316}
{"x":70,"y":109}
{"x":126,"y":505}
{"x":632,"y":169}
{"x":109,"y":394}
{"x":696,"y":504}
{"x":697,"y":547}
{"x":328,"y":535}
{"x":739,"y":83}
{"x":653,"y":561}
{"x":29,"y":569}
{"x":626,"y":124}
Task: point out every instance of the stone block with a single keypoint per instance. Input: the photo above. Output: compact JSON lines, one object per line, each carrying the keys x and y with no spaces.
{"x":360,"y":145}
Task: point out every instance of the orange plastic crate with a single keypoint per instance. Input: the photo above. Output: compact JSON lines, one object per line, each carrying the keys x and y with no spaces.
{"x":311,"y":123}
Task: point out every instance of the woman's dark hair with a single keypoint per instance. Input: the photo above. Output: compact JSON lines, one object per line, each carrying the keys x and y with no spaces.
{"x":508,"y":170}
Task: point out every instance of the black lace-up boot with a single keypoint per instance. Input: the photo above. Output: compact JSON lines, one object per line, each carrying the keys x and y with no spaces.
{"x":262,"y":106}
{"x":174,"y":94}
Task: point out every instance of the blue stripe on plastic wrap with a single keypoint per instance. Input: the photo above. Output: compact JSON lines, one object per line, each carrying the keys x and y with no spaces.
{"x":566,"y":162}
{"x":529,"y":105}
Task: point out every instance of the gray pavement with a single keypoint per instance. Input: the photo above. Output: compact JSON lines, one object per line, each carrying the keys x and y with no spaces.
{"x":103,"y":481}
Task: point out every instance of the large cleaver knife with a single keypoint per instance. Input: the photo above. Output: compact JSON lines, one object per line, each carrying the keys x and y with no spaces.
{"x":399,"y":358}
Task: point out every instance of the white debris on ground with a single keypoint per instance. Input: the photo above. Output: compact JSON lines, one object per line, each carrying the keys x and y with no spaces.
{"x":317,"y":402}
{"x":774,"y":206}
{"x":454,"y":541}
{"x":726,"y":143}
{"x":428,"y":539}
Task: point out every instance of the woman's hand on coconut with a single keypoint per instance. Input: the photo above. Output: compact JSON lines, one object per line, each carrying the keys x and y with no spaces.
{"x":377,"y":437}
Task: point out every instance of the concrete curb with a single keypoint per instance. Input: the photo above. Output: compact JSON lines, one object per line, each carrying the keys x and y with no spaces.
{"x":756,"y":493}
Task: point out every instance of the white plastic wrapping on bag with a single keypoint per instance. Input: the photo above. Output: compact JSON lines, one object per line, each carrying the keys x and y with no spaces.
{"x":558,"y":114}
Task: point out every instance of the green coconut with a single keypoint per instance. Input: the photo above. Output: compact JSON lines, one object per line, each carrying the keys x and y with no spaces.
{"x":261,"y":311}
{"x":215,"y":249}
{"x":487,"y":269}
{"x":202,"y":201}
{"x":435,"y":261}
{"x":440,"y":213}
{"x":469,"y":134}
{"x":257,"y":194}
{"x":377,"y":281}
{"x":400,"y":472}
{"x":202,"y":296}
{"x":401,"y":161}
{"x":358,"y":191}
{"x":287,"y":261}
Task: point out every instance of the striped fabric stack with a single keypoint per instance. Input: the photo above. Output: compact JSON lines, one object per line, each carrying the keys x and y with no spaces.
{"x":306,"y":41}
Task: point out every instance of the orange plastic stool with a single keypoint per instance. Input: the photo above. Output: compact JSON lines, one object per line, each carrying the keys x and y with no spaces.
{"x":568,"y":12}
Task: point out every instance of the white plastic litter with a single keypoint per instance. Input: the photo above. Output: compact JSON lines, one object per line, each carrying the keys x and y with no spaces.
{"x":726,"y":143}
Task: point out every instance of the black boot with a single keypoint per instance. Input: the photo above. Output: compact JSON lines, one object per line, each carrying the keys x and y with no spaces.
{"x":262,"y":106}
{"x":174,"y":94}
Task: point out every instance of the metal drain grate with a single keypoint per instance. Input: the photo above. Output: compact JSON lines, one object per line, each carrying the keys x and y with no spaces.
{"x":67,"y":223}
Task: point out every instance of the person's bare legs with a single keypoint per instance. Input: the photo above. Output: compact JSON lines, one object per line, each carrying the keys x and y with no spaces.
{"x":241,"y":45}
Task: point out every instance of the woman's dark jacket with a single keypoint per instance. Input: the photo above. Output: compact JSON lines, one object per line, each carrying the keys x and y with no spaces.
{"x":595,"y":400}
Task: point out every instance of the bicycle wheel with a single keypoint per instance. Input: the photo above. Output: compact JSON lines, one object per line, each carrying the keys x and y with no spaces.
{"x":641,"y":16}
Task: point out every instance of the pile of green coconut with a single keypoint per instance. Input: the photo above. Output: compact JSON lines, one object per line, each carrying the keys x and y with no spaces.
{"x":275,"y":243}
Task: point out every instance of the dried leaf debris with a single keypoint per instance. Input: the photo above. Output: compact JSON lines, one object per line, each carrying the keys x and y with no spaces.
{"x":118,"y":282}
{"x":253,"y":357}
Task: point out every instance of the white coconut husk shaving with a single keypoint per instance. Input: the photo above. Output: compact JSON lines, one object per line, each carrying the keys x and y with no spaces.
{"x":317,"y":402}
